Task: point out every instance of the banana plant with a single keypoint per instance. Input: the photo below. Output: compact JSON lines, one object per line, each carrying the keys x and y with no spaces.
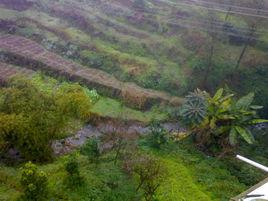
{"x":231,"y":119}
{"x":222,"y":120}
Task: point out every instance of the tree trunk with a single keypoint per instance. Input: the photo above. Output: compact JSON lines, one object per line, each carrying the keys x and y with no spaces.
{"x":227,"y":14}
{"x":241,"y":56}
{"x":209,"y":67}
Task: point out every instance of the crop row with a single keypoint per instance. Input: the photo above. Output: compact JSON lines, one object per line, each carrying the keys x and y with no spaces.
{"x":25,"y":52}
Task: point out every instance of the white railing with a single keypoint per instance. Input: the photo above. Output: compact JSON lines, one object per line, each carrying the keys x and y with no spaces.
{"x":253,"y":163}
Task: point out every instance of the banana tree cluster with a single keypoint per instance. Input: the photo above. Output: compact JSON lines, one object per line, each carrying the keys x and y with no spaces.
{"x":222,"y":120}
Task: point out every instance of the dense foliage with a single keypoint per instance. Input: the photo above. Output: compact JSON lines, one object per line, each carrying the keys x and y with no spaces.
{"x":30,"y":118}
{"x":73,"y":179}
{"x":157,"y":136}
{"x":225,"y":122}
{"x":184,"y":168}
{"x":34,"y":183}
{"x":92,"y":149}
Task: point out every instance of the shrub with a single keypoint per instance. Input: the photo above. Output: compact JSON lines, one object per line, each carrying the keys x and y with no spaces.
{"x":72,"y":169}
{"x":94,"y":59}
{"x":94,"y":96}
{"x":157,"y":136}
{"x":34,"y":183}
{"x":118,"y":143}
{"x":32,"y":116}
{"x":92,"y":149}
{"x":149,"y":171}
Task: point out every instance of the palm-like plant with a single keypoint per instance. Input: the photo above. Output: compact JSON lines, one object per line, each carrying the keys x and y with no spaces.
{"x":194,"y":109}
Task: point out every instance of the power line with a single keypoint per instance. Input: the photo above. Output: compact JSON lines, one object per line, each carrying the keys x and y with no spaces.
{"x":233,"y":6}
{"x":222,"y":24}
{"x":154,"y":13}
{"x":200,"y":26}
{"x":218,"y":26}
{"x":214,"y":9}
{"x":205,"y":21}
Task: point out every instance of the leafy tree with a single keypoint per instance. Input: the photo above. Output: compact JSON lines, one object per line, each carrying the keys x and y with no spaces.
{"x":30,"y":117}
{"x":34,"y":183}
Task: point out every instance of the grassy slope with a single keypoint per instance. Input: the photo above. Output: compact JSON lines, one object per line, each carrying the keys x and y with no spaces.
{"x":113,"y":108}
{"x":201,"y":177}
{"x":106,"y":107}
{"x":187,"y":179}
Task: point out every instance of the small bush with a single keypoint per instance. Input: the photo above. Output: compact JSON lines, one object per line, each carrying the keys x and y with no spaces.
{"x":72,"y":168}
{"x":149,"y":171}
{"x":94,"y":96}
{"x":220,"y":122}
{"x":93,"y":59}
{"x":92,"y":149}
{"x":158,"y":136}
{"x":34,"y":183}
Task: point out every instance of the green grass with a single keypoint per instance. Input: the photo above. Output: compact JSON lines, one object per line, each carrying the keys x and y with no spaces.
{"x":190,"y":176}
{"x":180,"y":184}
{"x":195,"y":176}
{"x":102,"y":182}
{"x":105,"y":106}
{"x":113,"y":108}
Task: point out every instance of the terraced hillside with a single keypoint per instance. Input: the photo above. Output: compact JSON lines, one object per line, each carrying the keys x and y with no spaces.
{"x":106,"y":79}
{"x":25,"y":52}
{"x":162,"y":45}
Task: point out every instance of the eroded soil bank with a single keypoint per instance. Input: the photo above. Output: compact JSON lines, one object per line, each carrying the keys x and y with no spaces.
{"x":107,"y":126}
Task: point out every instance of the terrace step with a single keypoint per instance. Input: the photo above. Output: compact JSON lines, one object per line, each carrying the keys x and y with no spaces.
{"x":25,"y":52}
{"x":7,"y":71}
